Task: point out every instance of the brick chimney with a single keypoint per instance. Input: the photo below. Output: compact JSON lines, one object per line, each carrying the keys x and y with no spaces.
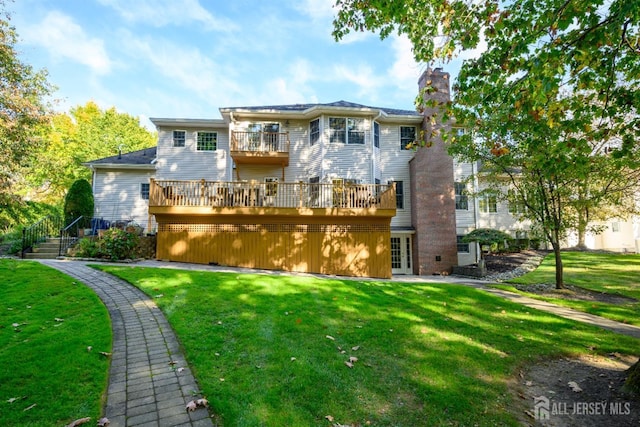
{"x":432,"y":190}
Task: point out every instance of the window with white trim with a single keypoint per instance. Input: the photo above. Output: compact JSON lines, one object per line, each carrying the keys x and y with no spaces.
{"x":376,"y":134}
{"x":488,"y":203}
{"x":314,"y":131}
{"x":463,"y":247}
{"x":462,"y":200}
{"x":144,"y":191}
{"x":399,"y":193}
{"x":407,"y":137}
{"x":179,"y":138}
{"x":271,"y":186}
{"x":207,"y":141}
{"x":346,"y":130}
{"x":516,"y":204}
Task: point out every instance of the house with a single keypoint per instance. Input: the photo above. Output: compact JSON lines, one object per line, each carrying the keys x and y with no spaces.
{"x":330,"y":188}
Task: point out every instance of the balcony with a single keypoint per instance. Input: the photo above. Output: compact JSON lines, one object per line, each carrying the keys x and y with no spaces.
{"x":262,"y":148}
{"x":257,"y":198}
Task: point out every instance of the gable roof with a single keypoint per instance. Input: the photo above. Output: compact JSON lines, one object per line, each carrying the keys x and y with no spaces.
{"x":144,"y":158}
{"x":306,"y":110}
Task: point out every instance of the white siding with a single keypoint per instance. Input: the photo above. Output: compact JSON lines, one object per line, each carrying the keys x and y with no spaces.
{"x":117,"y":195}
{"x":394,"y":166}
{"x":186,"y":163}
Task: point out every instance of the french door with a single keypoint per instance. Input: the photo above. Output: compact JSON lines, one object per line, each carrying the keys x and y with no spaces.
{"x":401,"y":254}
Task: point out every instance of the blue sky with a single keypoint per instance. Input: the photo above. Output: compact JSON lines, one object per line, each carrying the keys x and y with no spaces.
{"x":169,"y":58}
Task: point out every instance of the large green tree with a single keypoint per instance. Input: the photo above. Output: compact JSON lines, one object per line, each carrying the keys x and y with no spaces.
{"x":86,"y":133}
{"x":555,"y":77}
{"x":23,"y":110}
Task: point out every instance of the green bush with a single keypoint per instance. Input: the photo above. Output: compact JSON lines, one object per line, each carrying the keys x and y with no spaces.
{"x":118,"y":244}
{"x":79,"y":202}
{"x":88,"y":248}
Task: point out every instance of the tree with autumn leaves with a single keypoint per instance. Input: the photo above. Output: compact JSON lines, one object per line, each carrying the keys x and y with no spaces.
{"x":551,"y":102}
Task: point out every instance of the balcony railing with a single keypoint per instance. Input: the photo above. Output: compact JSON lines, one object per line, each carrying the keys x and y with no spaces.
{"x":278,"y":195}
{"x":260,"y":142}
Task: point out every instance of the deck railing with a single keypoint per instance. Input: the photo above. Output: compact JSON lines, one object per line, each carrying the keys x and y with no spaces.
{"x":260,"y":142}
{"x":273,"y":194}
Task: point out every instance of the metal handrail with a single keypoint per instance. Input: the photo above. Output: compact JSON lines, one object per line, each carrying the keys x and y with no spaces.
{"x":69,"y":235}
{"x":38,"y":232}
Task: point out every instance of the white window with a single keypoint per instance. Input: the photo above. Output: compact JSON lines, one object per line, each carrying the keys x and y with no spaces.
{"x":144,"y":191}
{"x":271,"y":186}
{"x":399,"y":193}
{"x":346,"y":130}
{"x":615,"y":227}
{"x":179,"y":138}
{"x":488,"y":203}
{"x":462,"y":246}
{"x":407,"y":137}
{"x":314,"y":131}
{"x":462,"y":200}
{"x":207,"y":141}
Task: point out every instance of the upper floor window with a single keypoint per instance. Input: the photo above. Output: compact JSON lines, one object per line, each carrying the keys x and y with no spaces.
{"x":179,"y":138}
{"x":462,"y":200}
{"x":407,"y":137}
{"x":271,"y":186}
{"x":488,"y":203}
{"x":144,"y":191}
{"x":399,"y":193}
{"x":516,"y":205}
{"x":376,"y":134}
{"x":346,"y":130}
{"x":207,"y":141}
{"x":314,"y":131}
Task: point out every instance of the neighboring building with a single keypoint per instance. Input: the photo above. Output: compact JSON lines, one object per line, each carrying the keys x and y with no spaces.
{"x":327,"y":188}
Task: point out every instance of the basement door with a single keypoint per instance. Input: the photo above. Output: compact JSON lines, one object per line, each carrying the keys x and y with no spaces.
{"x":401,"y":254}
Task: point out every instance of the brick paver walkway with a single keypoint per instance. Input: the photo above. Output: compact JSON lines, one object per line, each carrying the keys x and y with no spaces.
{"x":147,"y":387}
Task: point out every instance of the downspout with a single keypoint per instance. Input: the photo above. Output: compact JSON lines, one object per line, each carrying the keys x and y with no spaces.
{"x":475,"y":208}
{"x":373,"y":148}
{"x":230,"y":169}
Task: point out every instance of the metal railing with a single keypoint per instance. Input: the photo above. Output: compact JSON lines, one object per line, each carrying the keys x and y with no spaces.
{"x":260,"y":142}
{"x":272,"y":194}
{"x":39,"y":232}
{"x":70,"y":234}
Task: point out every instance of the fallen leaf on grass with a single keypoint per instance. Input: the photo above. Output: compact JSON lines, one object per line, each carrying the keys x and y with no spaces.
{"x":356,"y":348}
{"x":103,"y":422}
{"x":329,"y":337}
{"x":349,"y":364}
{"x":574,"y":386}
{"x":57,"y":319}
{"x":105,"y":354}
{"x":293,"y":358}
{"x":30,"y":407}
{"x":89,"y":349}
{"x":353,"y":359}
{"x":329,"y":418}
{"x":79,"y":422}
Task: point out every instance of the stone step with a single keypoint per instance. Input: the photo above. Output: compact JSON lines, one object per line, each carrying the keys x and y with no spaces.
{"x":41,"y":255}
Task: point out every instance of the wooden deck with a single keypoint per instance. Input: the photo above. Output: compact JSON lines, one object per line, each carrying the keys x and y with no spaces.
{"x":336,"y":229}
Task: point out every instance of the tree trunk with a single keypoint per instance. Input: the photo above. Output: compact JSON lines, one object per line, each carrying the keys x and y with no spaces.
{"x":583,"y":221}
{"x":632,"y":382}
{"x":559,"y":268}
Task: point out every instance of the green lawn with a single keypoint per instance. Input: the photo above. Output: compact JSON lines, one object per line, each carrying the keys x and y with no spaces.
{"x":610,"y":273}
{"x":271,"y":350}
{"x":47,"y":320}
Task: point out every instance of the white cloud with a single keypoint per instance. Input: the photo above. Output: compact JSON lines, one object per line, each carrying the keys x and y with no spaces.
{"x":183,"y":65}
{"x":160,"y":13}
{"x":316,"y":9}
{"x":64,"y":39}
{"x":363,"y":76}
{"x":405,"y":71}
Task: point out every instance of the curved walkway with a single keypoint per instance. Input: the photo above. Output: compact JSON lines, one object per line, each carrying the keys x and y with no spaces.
{"x":149,"y":382}
{"x":146,"y":385}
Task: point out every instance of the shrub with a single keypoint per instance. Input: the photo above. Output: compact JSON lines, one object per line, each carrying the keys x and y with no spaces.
{"x":118,"y":244}
{"x":79,"y":202}
{"x":88,"y":248}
